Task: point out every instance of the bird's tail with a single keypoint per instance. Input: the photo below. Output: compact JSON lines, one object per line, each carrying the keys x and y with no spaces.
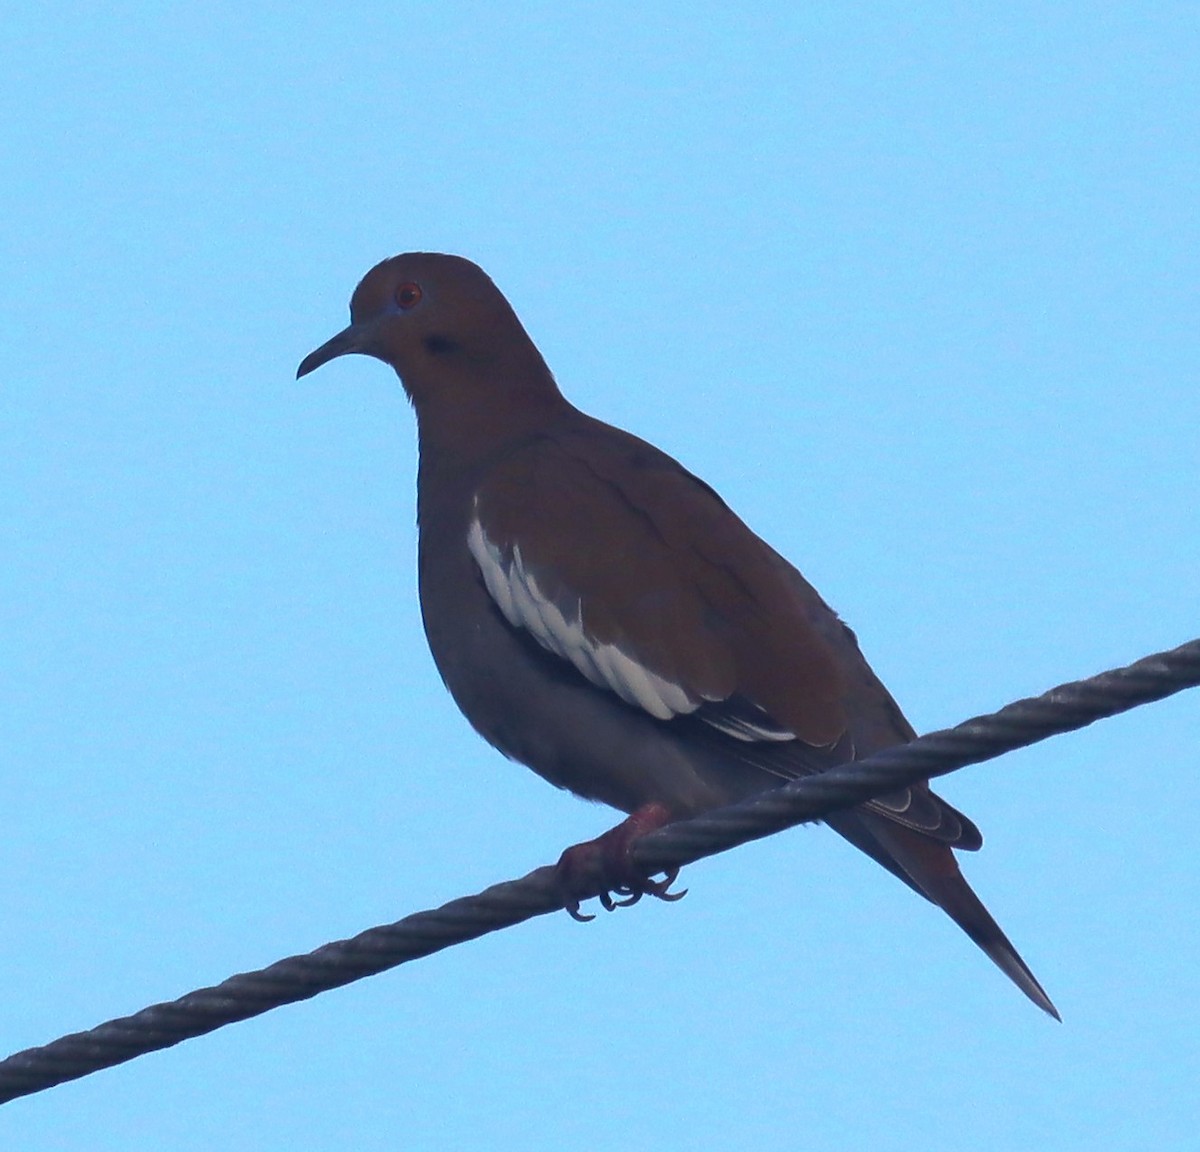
{"x":929,"y":866}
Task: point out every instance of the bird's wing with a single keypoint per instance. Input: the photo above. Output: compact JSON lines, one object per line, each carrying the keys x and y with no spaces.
{"x":619,"y":561}
{"x":628,"y":569}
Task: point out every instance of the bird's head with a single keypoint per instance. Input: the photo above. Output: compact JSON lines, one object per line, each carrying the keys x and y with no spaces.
{"x":446,"y":329}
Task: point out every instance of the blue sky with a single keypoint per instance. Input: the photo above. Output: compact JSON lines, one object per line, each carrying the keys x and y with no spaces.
{"x":913,"y":286}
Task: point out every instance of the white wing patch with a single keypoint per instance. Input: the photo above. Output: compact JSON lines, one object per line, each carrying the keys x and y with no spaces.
{"x":741,"y":728}
{"x":524,"y":605}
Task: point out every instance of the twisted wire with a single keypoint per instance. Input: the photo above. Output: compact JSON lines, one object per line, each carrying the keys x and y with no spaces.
{"x":1062,"y":709}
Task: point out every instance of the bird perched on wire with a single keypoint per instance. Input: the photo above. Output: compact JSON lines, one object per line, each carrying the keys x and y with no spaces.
{"x":601,"y":615}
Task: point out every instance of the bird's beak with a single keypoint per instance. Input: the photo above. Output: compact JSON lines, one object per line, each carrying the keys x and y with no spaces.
{"x":346,"y":341}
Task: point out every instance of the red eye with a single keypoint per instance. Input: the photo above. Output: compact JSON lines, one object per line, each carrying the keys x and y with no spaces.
{"x":408,"y":295}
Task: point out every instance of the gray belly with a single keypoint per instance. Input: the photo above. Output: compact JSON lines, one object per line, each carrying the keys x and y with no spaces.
{"x":536,"y":708}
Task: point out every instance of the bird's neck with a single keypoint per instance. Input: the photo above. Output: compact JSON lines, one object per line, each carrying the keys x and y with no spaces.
{"x":474,"y":413}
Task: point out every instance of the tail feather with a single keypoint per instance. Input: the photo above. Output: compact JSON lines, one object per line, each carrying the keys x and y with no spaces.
{"x":929,"y":867}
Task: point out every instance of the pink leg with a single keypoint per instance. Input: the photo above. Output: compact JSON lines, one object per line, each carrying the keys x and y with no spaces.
{"x":605,"y":863}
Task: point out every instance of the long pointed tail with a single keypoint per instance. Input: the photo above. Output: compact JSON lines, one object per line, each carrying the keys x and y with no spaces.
{"x":930,"y":867}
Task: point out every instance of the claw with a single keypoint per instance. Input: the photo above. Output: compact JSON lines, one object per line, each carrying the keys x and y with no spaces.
{"x":572,"y":910}
{"x":661,"y":889}
{"x":606,"y":860}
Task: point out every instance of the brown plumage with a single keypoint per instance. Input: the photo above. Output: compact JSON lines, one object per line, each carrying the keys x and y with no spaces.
{"x":600,"y":614}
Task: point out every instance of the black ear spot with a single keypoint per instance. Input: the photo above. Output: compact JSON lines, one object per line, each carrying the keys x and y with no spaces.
{"x":440,"y":344}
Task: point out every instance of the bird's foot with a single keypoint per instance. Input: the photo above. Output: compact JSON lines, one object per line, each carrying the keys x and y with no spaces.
{"x":605,"y":864}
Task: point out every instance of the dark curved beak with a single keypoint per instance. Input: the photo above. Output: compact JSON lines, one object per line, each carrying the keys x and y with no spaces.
{"x":348,"y":340}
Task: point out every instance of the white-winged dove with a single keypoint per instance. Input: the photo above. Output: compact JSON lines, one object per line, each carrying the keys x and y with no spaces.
{"x":599,"y":613}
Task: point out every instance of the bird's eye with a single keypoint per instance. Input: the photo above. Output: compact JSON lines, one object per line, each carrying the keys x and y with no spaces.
{"x":408,"y":295}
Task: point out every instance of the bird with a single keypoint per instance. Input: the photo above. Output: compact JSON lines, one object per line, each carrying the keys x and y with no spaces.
{"x":600,"y":614}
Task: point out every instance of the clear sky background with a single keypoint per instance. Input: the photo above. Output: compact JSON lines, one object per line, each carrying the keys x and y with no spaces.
{"x":913,"y":286}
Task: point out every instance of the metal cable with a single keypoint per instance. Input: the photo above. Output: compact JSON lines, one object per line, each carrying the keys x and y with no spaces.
{"x":1062,"y":709}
